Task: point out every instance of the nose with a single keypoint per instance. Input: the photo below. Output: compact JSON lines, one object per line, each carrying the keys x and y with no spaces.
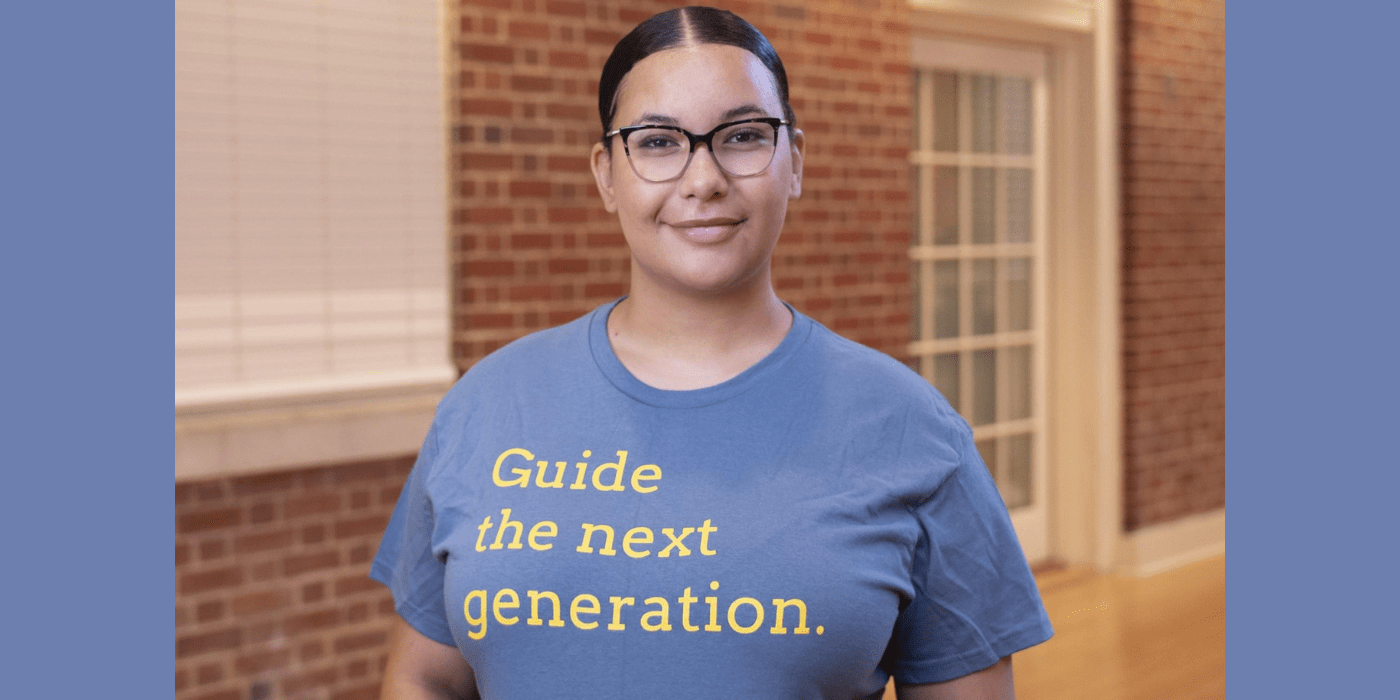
{"x":703,"y":177}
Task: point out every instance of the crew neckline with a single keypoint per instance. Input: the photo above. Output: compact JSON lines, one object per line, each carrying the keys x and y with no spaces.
{"x":623,"y":379}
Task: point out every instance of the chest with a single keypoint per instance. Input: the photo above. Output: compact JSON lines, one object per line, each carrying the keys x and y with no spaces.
{"x":608,"y":548}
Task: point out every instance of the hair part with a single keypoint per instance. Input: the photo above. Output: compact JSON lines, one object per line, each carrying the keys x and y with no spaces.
{"x":685,"y":26}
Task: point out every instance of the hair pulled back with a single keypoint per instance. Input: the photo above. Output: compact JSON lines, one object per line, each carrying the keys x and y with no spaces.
{"x":685,"y":26}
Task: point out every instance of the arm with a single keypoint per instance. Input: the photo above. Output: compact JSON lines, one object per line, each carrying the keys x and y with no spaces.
{"x":991,"y":683}
{"x":420,"y":668}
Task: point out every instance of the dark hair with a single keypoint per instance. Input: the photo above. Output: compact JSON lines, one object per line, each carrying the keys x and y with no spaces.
{"x":680,"y":27}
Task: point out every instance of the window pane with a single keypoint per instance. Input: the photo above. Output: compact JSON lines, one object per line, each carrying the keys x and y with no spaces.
{"x":988,"y":450}
{"x":945,"y":205}
{"x":1016,"y":486}
{"x":945,"y":293}
{"x":984,"y":387}
{"x":946,"y":378}
{"x":1015,"y":113}
{"x":917,"y":330}
{"x":1018,"y":204}
{"x":984,"y":116}
{"x":916,"y":181}
{"x":945,"y":111}
{"x":1018,"y":294}
{"x":1018,"y":381}
{"x":984,"y":300}
{"x":984,"y":205}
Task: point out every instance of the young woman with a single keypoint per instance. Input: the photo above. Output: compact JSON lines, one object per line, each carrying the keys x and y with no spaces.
{"x":697,"y":491}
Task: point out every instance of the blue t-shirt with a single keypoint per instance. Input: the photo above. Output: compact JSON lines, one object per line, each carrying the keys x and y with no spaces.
{"x":803,"y":530}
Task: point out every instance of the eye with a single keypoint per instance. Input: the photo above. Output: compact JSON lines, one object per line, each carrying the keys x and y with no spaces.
{"x":745,"y":135}
{"x":656,"y":140}
{"x":748,"y":136}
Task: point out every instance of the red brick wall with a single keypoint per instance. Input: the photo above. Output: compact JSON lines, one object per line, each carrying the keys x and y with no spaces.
{"x":532,"y":245}
{"x":1173,"y":136}
{"x":273,"y":598}
{"x":272,"y":595}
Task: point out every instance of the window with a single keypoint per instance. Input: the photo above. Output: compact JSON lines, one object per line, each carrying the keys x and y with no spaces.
{"x":310,"y":222}
{"x":978,"y":254}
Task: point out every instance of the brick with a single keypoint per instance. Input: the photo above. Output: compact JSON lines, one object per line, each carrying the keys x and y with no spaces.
{"x":567,"y":59}
{"x":529,"y":188}
{"x":317,"y":503}
{"x":196,"y":644}
{"x":528,"y":135}
{"x":359,"y":527}
{"x":211,"y":491}
{"x":261,"y":542}
{"x":487,"y":53}
{"x":218,"y":695}
{"x":302,"y":682}
{"x":495,"y":108}
{"x":262,"y":513}
{"x":531,"y":83}
{"x":567,"y":265}
{"x":360,"y":692}
{"x":261,"y":601}
{"x":209,"y":673}
{"x":567,"y":215}
{"x":556,"y":110}
{"x":258,"y":662}
{"x":486,"y":161}
{"x":566,"y":8}
{"x":202,"y":581}
{"x":309,"y":622}
{"x":490,"y":268}
{"x":265,"y":483}
{"x":213,"y":519}
{"x":531,"y":241}
{"x":211,"y":549}
{"x":491,"y":215}
{"x":351,"y":585}
{"x":567,"y":164}
{"x":489,"y":321}
{"x":210,"y":611}
{"x":600,"y":37}
{"x":362,"y":640}
{"x":185,"y":493}
{"x":303,"y":563}
{"x":527,"y":30}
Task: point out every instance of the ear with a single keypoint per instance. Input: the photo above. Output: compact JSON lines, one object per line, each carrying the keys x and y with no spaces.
{"x":601,"y":162}
{"x":799,"y":142}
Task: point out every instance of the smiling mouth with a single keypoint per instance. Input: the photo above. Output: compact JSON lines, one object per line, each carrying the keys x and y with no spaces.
{"x":705,"y":223}
{"x":707,"y":230}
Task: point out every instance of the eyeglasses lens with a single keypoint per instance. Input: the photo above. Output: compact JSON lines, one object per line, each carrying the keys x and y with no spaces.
{"x":662,"y":154}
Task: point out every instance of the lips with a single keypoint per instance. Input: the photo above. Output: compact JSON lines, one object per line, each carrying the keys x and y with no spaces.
{"x":709,"y":230}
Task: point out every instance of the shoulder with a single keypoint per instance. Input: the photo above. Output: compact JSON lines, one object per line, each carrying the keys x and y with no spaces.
{"x":866,"y":372}
{"x":530,"y":361}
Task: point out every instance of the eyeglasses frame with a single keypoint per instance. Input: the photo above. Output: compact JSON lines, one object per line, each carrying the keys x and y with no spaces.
{"x":696,"y":140}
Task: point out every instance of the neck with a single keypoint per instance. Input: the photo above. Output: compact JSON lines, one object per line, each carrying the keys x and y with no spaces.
{"x":674,"y":340}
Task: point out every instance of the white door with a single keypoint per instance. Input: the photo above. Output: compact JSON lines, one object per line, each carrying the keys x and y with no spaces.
{"x":978,"y":257}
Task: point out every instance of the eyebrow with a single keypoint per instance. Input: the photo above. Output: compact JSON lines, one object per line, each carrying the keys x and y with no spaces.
{"x":742,"y":110}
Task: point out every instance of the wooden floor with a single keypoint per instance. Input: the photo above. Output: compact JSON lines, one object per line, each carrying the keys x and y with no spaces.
{"x":1120,"y":638}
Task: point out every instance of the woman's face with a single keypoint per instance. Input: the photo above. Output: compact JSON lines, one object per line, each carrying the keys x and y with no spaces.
{"x":705,"y":232}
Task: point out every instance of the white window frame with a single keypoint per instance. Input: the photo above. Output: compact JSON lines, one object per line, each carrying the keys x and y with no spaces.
{"x":966,"y":58}
{"x":350,"y":372}
{"x":1082,"y":370}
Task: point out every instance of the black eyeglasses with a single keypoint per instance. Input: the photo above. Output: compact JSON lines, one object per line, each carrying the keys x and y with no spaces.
{"x":740,"y":148}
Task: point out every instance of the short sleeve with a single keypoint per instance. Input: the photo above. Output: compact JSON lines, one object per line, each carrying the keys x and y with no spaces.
{"x":405,"y":561}
{"x":975,"y":600}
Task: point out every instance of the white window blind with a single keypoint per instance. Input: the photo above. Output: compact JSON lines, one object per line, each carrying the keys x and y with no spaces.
{"x":310,"y":199}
